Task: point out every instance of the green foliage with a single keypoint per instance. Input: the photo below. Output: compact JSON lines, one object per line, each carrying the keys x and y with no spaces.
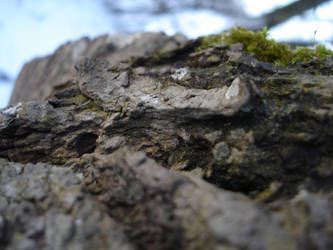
{"x":257,"y":44}
{"x":264,"y":49}
{"x":209,"y":41}
{"x":303,"y":54}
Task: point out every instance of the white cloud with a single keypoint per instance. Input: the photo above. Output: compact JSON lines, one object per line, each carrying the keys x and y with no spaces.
{"x":37,"y":28}
{"x":192,"y":23}
{"x":299,"y":29}
{"x":258,"y":7}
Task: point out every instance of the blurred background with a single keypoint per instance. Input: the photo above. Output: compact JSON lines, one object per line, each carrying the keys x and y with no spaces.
{"x":34,"y":28}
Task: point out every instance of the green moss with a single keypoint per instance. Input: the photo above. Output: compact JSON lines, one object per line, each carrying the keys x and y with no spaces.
{"x":264,"y":49}
{"x":257,"y":44}
{"x":325,"y":169}
{"x":303,"y":54}
{"x":209,"y":41}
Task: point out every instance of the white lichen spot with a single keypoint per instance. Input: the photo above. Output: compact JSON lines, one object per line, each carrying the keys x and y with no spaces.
{"x":80,"y":176}
{"x":234,"y":89}
{"x":179,"y":74}
{"x":149,"y":99}
{"x":78,"y":222}
{"x":12,"y":111}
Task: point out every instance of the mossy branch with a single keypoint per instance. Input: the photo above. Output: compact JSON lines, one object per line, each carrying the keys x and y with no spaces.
{"x":259,"y":45}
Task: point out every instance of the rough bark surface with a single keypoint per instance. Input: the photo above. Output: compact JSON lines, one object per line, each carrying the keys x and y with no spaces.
{"x":41,"y":75}
{"x":157,"y":144}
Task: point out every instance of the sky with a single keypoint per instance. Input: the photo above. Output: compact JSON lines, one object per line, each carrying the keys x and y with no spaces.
{"x":31,"y":28}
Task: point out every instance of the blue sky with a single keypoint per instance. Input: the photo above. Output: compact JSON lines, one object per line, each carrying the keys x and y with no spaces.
{"x":33,"y":28}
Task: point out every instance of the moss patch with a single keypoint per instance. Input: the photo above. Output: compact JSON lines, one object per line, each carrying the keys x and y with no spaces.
{"x":264,"y":49}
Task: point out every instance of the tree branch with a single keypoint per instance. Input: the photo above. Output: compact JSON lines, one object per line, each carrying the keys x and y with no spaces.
{"x":284,"y":13}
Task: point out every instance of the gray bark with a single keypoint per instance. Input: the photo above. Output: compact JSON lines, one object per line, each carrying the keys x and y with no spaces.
{"x":158,"y":144}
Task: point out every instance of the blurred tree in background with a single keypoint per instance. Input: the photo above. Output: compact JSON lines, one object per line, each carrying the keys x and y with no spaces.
{"x":233,"y":10}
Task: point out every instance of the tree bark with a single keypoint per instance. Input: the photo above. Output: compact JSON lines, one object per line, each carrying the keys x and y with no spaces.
{"x":151,"y":149}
